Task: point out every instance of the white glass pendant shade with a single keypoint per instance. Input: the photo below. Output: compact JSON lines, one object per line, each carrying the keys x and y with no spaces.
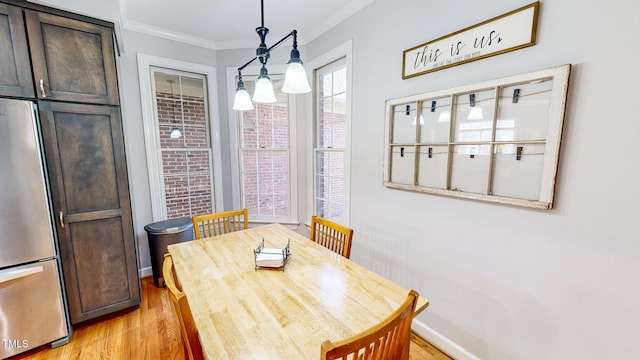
{"x":445,"y":116}
{"x":295,"y":79}
{"x":264,"y":91}
{"x":175,"y":133}
{"x":475,"y":113}
{"x":242,"y":100}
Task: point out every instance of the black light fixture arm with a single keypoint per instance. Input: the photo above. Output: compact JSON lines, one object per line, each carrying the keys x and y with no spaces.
{"x":293,"y":33}
{"x":263,"y":53}
{"x":295,"y":78}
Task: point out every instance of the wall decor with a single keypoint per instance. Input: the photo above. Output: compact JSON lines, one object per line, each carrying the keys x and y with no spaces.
{"x":496,"y":140}
{"x":507,"y":32}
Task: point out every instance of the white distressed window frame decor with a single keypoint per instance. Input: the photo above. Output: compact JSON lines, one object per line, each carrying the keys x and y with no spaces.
{"x":508,"y":155}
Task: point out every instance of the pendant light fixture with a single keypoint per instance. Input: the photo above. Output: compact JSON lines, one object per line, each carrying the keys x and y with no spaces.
{"x":175,"y":132}
{"x":295,"y":78}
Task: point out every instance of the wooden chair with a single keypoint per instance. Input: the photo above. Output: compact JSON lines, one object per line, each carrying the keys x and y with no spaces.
{"x":388,"y":340}
{"x":190,"y":340}
{"x":220,"y":223}
{"x":331,"y":235}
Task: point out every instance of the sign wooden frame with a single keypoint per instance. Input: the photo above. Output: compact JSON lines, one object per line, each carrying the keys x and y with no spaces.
{"x":507,"y":32}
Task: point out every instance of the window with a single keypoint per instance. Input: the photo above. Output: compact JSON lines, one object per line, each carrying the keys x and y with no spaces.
{"x":181,"y":136}
{"x":267,"y":181}
{"x":330,"y":141}
{"x":185,"y":144}
{"x":497,"y":140}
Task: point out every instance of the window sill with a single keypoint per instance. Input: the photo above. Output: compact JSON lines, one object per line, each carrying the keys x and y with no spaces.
{"x":293,"y":225}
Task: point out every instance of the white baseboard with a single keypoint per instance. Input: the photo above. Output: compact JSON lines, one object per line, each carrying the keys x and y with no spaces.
{"x":144,"y":272}
{"x":441,"y":342}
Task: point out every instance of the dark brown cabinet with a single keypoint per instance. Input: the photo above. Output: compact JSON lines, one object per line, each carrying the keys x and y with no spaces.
{"x":15,"y":71}
{"x":87,"y":169}
{"x":72,"y":60}
{"x":67,"y":63}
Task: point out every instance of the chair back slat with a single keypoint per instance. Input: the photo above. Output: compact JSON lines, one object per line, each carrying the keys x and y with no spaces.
{"x":190,"y":339}
{"x":209,"y":225}
{"x":388,"y":340}
{"x":331,"y":235}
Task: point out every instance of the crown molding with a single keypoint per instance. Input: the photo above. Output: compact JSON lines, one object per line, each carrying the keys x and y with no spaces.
{"x":170,"y":35}
{"x":349,"y":10}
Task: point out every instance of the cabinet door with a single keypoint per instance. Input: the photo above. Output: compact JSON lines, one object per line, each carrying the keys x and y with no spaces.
{"x":15,"y":70}
{"x":72,"y":60}
{"x":84,"y":151}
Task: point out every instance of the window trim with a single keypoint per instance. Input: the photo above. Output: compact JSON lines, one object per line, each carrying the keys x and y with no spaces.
{"x":317,"y":149}
{"x":342,"y":51}
{"x":234,"y":144}
{"x":152,"y":136}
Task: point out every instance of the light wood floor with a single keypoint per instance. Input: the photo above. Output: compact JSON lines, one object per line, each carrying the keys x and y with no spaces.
{"x":152,"y":332}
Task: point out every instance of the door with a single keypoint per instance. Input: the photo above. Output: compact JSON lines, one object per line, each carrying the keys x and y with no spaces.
{"x":72,"y":60}
{"x":32,"y":310}
{"x":15,"y":71}
{"x":24,"y":207}
{"x":85,"y":155}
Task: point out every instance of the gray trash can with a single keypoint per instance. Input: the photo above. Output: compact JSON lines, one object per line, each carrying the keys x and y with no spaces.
{"x":162,"y":234}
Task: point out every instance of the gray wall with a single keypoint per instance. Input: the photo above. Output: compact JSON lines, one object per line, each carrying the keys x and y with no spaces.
{"x":504,"y":282}
{"x":135,"y":43}
{"x":507,"y":282}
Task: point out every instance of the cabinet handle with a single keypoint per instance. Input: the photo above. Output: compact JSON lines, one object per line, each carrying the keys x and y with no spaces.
{"x":44,"y":94}
{"x":61,"y":215}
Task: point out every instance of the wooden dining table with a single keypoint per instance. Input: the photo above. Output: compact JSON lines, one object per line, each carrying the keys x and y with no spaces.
{"x":244,"y":312}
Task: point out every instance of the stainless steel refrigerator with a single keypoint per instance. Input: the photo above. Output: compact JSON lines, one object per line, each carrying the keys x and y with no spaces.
{"x":32,"y":309}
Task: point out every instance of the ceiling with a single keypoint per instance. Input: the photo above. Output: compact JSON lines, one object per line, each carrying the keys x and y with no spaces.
{"x":218,"y":24}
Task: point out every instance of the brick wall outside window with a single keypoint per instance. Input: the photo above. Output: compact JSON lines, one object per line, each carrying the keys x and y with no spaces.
{"x":186,"y":161}
{"x":330,"y":142}
{"x":265,"y":160}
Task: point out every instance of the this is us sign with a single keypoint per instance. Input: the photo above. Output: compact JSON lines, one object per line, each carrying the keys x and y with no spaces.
{"x":507,"y":32}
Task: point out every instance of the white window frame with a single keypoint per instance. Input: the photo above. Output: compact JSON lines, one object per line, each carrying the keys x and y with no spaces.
{"x":558,"y":76}
{"x":341,"y":51}
{"x":234,"y":142}
{"x":152,"y":136}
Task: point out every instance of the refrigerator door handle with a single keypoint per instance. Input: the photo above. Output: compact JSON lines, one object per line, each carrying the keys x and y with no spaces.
{"x":16,"y":274}
{"x":61,"y":216}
